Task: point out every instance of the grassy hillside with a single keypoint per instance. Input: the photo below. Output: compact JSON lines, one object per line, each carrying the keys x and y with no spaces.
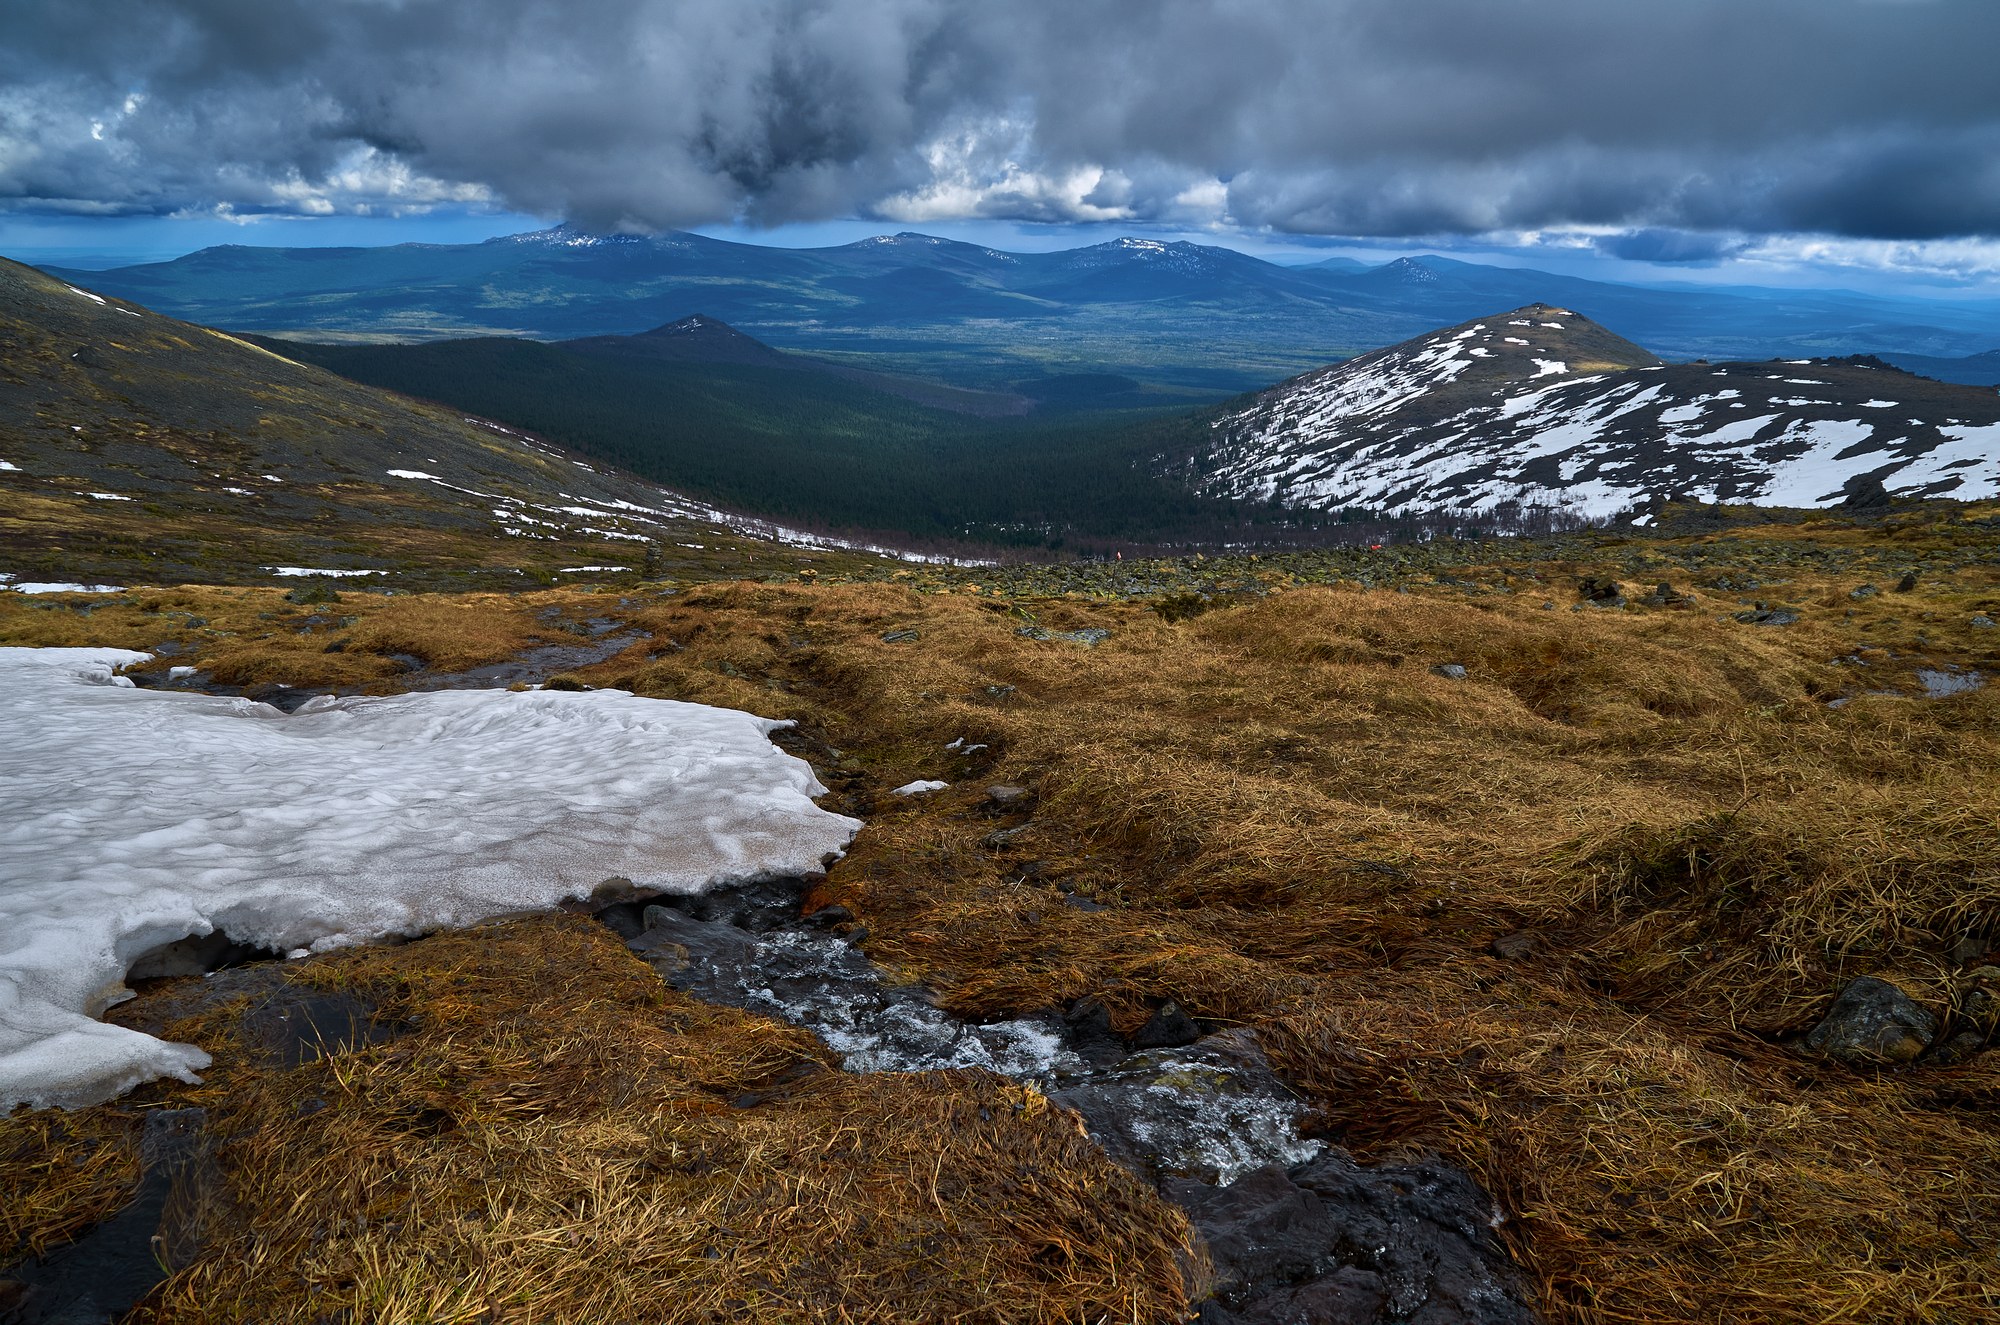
{"x":1690,"y":829}
{"x":139,"y":447}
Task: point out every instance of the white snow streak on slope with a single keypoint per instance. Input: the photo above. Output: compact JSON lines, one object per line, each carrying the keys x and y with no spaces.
{"x":130,"y":818}
{"x":1977,"y":480}
{"x":1813,"y":475}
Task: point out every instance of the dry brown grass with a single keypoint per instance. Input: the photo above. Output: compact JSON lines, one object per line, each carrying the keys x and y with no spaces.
{"x":561,"y":1138}
{"x":1296,"y":825}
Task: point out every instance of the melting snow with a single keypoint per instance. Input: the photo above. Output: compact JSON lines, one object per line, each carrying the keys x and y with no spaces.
{"x":131,"y":818}
{"x":919,"y":787}
{"x":96,"y":298}
{"x":308,"y":570}
{"x":11,"y":467}
{"x":1550,"y":367}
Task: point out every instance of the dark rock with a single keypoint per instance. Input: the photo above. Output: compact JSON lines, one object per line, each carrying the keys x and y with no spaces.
{"x":1970,"y":949}
{"x":1087,"y":1027}
{"x":672,"y":941}
{"x":1210,"y":1111}
{"x":831,"y":915}
{"x":901,"y":636}
{"x":1872,"y":1022}
{"x":1168,"y":1028}
{"x":1006,"y":837}
{"x":1515,"y":947}
{"x":195,"y":955}
{"x":1450,"y":671}
{"x":1960,"y":1047}
{"x":1075,"y":902}
{"x":1768,"y":616}
{"x":1907,"y":583}
{"x":1865,"y":493}
{"x":1332,"y":1241}
{"x":1602,"y":590}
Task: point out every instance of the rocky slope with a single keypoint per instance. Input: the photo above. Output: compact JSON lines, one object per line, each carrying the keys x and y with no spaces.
{"x":1540,"y":407}
{"x":175,"y":451}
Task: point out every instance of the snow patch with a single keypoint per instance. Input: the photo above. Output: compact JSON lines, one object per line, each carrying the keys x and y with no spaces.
{"x":309,"y":570}
{"x":130,"y":818}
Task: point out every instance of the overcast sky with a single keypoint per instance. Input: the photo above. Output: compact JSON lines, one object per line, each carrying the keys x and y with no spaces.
{"x":1685,"y":136}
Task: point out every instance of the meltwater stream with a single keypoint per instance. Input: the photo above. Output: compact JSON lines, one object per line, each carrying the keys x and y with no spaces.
{"x":1296,"y":1230}
{"x":1210,"y":1110}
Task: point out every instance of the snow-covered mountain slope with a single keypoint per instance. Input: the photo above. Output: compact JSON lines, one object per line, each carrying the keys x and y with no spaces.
{"x":1542,"y":407}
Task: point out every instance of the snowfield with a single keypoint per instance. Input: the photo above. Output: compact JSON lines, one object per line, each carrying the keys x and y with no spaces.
{"x":1473,"y":419}
{"x":131,"y":818}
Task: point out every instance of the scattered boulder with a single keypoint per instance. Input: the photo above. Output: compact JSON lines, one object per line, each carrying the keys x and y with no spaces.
{"x":1450,"y":671}
{"x":1665,"y":595}
{"x":1871,"y":1023}
{"x":1006,"y":794}
{"x":1601,"y":590}
{"x":1907,"y":583}
{"x":1862,"y":591}
{"x":1983,"y":622}
{"x":1768,"y":616}
{"x":1332,"y":1241}
{"x":1091,"y":636}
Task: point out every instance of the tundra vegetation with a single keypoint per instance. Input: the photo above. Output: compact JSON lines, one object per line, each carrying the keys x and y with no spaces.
{"x":1564,"y":919}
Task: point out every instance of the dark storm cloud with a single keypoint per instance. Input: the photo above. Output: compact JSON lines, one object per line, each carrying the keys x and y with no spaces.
{"x":1875,"y":118}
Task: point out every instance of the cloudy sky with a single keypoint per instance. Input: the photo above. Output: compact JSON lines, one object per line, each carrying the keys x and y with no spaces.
{"x":1849,"y":140}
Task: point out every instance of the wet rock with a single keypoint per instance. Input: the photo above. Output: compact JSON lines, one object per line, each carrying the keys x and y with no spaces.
{"x":672,"y":941}
{"x":195,"y":955}
{"x":901,"y":636}
{"x":1872,"y":1022}
{"x":1087,"y":1031}
{"x":1210,"y":1111}
{"x":1332,"y":1241}
{"x":1167,"y":1028}
{"x":1450,"y":671}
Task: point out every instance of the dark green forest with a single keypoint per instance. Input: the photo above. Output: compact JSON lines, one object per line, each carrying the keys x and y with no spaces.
{"x":809,"y":447}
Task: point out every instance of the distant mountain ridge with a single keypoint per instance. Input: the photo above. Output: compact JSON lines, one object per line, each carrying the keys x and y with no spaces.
{"x":1541,"y":407}
{"x":1197,"y":320}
